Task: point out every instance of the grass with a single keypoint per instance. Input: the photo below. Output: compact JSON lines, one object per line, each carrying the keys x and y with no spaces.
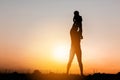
{"x":36,"y":75}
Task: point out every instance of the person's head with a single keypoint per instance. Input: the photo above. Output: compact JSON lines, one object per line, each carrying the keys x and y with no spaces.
{"x":76,"y":13}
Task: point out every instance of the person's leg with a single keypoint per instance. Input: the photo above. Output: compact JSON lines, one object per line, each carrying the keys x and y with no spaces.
{"x":70,"y":59}
{"x":79,"y":58}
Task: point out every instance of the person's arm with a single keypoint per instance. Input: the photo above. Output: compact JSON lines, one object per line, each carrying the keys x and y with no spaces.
{"x":74,"y":19}
{"x":80,"y":28}
{"x":80,"y":34}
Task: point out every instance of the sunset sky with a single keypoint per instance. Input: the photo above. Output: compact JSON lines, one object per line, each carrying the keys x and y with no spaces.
{"x":34,"y":34}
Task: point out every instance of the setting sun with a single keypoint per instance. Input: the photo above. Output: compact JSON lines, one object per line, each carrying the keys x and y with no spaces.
{"x":60,"y":53}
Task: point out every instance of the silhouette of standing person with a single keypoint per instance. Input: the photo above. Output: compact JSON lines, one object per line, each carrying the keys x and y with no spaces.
{"x":76,"y":36}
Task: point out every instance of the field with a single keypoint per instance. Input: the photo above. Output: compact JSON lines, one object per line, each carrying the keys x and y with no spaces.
{"x":36,"y":75}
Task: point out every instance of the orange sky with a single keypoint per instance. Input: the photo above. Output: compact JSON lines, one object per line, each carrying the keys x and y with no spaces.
{"x":30,"y":32}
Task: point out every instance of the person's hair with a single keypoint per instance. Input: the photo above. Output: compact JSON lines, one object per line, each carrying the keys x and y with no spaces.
{"x":76,"y":12}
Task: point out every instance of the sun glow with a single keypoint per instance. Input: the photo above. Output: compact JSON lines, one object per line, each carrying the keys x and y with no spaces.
{"x":61,"y":53}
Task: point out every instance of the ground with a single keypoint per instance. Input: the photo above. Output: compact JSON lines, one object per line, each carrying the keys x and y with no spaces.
{"x":55,"y":76}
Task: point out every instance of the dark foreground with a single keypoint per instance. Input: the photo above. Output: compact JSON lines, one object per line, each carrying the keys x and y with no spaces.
{"x":54,"y":76}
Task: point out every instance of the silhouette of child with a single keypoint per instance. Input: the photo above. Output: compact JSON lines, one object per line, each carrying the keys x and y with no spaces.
{"x":77,"y":19}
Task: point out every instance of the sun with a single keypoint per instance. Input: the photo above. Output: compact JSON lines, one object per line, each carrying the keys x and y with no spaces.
{"x":60,"y":53}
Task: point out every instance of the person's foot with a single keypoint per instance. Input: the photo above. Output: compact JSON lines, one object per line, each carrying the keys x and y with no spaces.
{"x":82,"y":77}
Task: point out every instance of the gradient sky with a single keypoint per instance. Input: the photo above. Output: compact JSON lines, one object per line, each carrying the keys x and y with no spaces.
{"x":30,"y":29}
